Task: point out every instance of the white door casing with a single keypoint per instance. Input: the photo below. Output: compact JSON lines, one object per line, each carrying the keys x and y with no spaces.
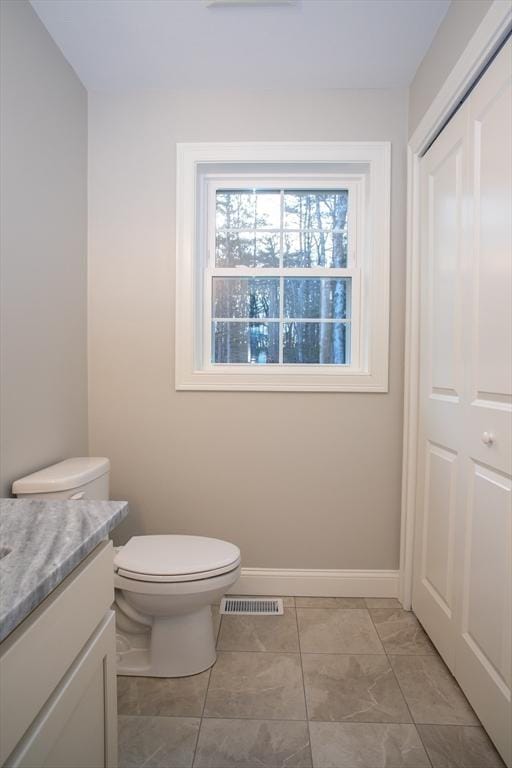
{"x":462,"y":580}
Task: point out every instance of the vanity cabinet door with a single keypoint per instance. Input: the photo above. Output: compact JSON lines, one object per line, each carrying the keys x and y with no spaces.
{"x":38,"y":655}
{"x":77,"y":726}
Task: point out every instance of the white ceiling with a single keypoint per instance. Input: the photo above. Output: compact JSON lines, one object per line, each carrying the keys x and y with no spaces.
{"x":131,"y":44}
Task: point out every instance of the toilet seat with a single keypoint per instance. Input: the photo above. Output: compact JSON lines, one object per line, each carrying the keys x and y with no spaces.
{"x":174,"y":558}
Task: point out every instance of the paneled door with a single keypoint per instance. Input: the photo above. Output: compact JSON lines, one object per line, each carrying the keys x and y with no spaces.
{"x":442,"y":395}
{"x":483,"y":653}
{"x":463,"y":560}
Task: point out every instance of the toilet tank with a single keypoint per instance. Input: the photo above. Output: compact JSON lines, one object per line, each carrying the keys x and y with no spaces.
{"x":80,"y":478}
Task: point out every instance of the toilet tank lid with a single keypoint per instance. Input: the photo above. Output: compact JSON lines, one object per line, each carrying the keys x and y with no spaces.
{"x":68,"y":474}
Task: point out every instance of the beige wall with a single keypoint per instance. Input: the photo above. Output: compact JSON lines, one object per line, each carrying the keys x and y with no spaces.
{"x":43,"y":249}
{"x":454,"y":33}
{"x":326,"y":492}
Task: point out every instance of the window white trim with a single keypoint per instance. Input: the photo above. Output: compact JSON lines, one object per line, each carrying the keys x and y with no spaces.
{"x":371,"y":375}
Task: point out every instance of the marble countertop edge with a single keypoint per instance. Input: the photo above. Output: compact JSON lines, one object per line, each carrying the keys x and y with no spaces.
{"x":21,"y":590}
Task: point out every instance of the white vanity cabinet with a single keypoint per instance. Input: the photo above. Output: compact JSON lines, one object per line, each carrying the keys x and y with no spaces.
{"x":58,"y":675}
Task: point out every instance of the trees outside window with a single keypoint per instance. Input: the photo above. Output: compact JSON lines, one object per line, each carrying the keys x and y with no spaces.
{"x":299,"y":312}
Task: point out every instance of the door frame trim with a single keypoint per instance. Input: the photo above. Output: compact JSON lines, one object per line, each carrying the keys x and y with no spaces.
{"x":487,"y":39}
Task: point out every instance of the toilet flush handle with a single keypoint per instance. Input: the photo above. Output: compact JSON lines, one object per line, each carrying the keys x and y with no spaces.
{"x":487,"y":438}
{"x":77,"y":496}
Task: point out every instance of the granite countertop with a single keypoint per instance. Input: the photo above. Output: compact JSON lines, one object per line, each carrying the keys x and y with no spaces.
{"x":45,"y":541}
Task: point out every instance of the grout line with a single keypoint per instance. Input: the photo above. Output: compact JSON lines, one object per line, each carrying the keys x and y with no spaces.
{"x":201,"y":719}
{"x":304,"y":686}
{"x":206,"y":693}
{"x":312,"y":720}
{"x":309,"y":653}
{"x":401,"y":691}
{"x":165,"y":717}
{"x":258,"y":719}
{"x":338,"y":653}
{"x":422,"y":742}
{"x":333,"y":607}
{"x":330,"y":608}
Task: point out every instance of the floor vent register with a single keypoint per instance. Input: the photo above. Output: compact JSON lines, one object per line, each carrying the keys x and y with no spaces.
{"x":254,"y":606}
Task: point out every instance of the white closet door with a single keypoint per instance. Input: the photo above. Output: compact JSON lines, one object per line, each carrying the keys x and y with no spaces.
{"x":463,"y":573}
{"x":483,"y":653}
{"x":441,"y":435}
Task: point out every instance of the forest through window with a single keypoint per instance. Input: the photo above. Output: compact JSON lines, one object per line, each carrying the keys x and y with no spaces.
{"x":280,"y":293}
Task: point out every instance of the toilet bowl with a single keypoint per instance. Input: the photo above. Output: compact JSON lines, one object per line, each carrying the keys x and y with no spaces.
{"x":164,"y":589}
{"x":165,"y":585}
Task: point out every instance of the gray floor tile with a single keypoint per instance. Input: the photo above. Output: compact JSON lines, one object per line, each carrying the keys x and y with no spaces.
{"x":330,"y":602}
{"x":366,"y":745}
{"x":264,"y":686}
{"x":401,"y":632}
{"x":157,"y":742}
{"x":177,"y":696}
{"x":353,"y":688}
{"x":381,"y":602}
{"x":259,"y":633}
{"x":457,"y":746}
{"x":253,"y":744}
{"x":431,"y":692}
{"x":323,"y":630}
{"x":254,"y":713}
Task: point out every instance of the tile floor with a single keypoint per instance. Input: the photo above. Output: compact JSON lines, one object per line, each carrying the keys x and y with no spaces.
{"x":334,"y":683}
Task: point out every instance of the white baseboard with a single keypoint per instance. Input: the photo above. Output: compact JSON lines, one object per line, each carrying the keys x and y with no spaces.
{"x":316,"y":583}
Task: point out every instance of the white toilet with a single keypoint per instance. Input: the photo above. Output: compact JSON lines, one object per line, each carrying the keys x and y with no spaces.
{"x":165,"y":585}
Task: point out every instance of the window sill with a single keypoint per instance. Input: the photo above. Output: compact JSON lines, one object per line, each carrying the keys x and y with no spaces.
{"x":263,"y":381}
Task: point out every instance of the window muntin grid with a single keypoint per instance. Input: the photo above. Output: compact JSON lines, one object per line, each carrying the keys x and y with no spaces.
{"x":275,"y":250}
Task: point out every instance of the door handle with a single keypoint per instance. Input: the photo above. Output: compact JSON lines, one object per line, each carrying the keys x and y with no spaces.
{"x":487,"y":438}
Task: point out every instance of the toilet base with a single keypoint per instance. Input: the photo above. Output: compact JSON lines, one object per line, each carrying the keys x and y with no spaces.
{"x":174,"y":646}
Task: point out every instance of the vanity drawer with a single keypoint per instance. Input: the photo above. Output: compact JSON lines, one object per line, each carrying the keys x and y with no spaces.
{"x":37,"y":655}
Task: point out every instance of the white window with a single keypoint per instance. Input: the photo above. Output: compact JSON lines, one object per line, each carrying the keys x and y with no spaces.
{"x":282,"y":267}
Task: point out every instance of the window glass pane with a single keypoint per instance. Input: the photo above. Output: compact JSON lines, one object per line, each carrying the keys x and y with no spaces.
{"x":246,"y":249}
{"x":239,"y":343}
{"x":314,"y":249}
{"x":245,"y":297}
{"x":268,"y":209}
{"x":317,"y":297}
{"x":235,"y":209}
{"x":234,"y":249}
{"x":325,"y":210}
{"x":325,"y":343}
{"x":266,"y":250}
{"x":304,"y":229}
